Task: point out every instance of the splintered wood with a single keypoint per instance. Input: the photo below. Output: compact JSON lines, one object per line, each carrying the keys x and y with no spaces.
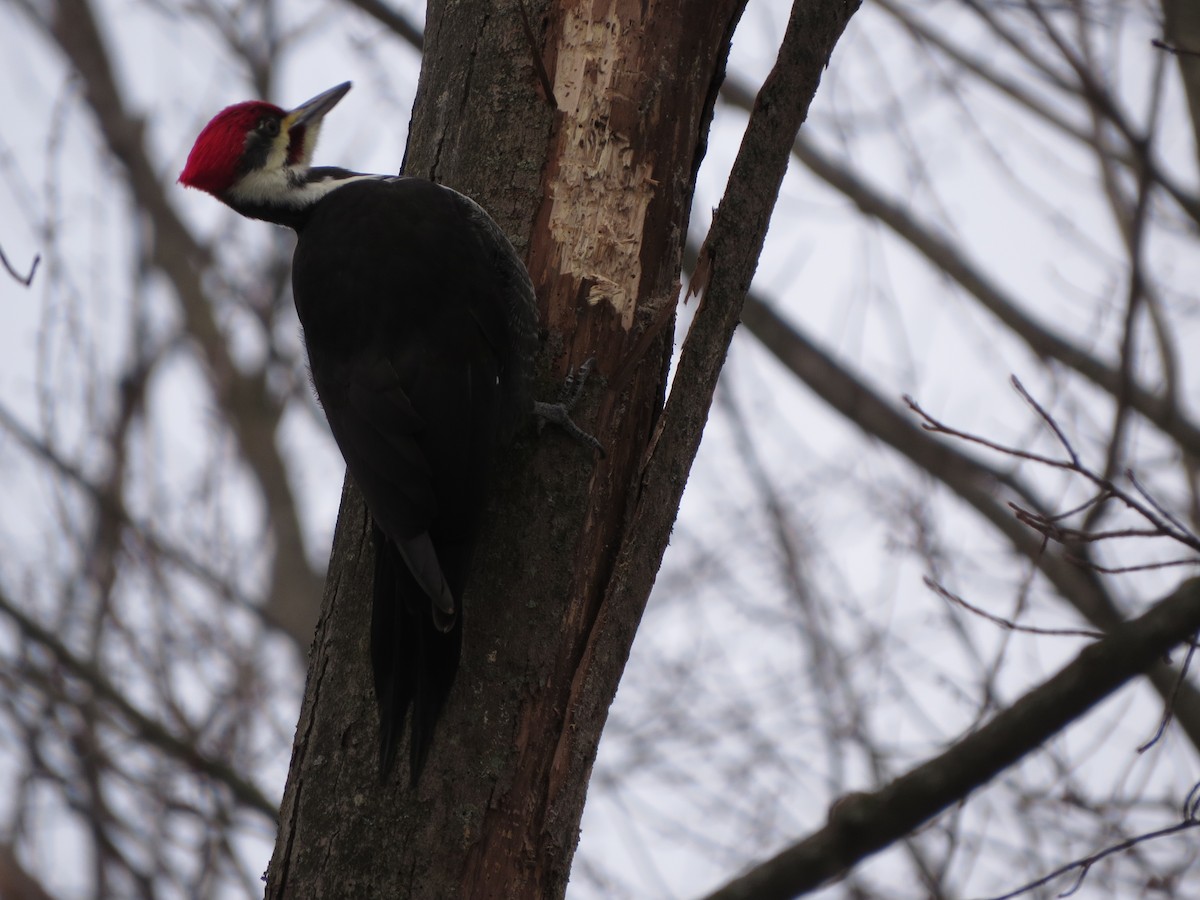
{"x":600,"y":192}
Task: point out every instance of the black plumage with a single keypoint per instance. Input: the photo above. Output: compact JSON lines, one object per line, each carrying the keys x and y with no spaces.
{"x":420,"y":325}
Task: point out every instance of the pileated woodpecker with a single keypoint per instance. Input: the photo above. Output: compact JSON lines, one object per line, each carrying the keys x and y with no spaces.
{"x":421,"y":328}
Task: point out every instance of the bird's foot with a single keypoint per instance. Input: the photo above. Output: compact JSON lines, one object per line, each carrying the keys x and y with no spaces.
{"x":560,"y":413}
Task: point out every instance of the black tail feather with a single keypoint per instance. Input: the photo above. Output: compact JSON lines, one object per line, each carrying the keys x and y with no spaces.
{"x":414,"y":662}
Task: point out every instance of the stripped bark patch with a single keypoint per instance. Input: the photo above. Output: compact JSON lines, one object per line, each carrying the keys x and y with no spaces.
{"x":600,"y":192}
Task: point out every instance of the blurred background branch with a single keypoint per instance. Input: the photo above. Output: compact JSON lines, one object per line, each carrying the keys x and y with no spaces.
{"x":983,"y":189}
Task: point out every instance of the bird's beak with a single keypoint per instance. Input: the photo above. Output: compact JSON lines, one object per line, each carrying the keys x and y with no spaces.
{"x":312,"y":111}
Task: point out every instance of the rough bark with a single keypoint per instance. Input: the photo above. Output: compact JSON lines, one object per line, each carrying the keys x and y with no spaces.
{"x":601,"y":173}
{"x":606,"y":171}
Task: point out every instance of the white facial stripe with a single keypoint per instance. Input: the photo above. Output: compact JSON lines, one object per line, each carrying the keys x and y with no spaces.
{"x":285,"y":186}
{"x":280,"y":185}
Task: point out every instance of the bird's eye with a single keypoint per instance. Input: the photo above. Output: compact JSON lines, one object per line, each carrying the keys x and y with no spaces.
{"x":269,"y":127}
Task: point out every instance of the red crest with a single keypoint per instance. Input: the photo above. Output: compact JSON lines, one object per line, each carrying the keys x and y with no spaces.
{"x":212,"y":165}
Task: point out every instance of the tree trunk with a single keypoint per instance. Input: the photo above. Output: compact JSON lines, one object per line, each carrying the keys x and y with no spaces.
{"x":595,"y":183}
{"x":608,"y":178}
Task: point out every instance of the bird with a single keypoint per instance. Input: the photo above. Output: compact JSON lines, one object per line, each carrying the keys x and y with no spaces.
{"x":420,"y":324}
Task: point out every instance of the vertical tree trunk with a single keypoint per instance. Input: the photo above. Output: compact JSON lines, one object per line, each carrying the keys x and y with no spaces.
{"x":596,"y":183}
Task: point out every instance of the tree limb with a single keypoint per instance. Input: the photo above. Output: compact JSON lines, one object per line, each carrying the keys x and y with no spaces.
{"x":253,"y":413}
{"x":949,"y":260}
{"x":146,"y":728}
{"x":731,"y":250}
{"x":862,"y":824}
{"x":972,"y":481}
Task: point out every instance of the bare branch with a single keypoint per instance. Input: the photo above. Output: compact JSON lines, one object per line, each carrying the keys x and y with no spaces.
{"x":1175,"y":51}
{"x":1008,"y":624}
{"x":862,"y":824}
{"x":400,"y":24}
{"x":1141,"y":567}
{"x":938,"y":427}
{"x":1072,"y":573}
{"x":112,"y":506}
{"x":950,"y":260}
{"x":1161,"y":525}
{"x":149,"y":730}
{"x":1085,"y":865}
{"x":253,"y":412}
{"x":1136,"y":157}
{"x":1047,"y":418}
{"x":26,"y":280}
{"x":1169,"y":708}
{"x":736,"y":238}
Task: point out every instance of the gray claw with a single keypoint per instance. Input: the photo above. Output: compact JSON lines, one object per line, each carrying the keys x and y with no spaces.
{"x":560,"y":413}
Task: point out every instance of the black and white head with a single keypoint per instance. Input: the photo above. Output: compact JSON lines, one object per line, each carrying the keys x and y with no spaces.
{"x":257,"y":158}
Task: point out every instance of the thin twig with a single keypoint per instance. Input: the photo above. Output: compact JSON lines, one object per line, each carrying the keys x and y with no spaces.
{"x":1163,"y":524}
{"x":1085,"y":865}
{"x":1008,"y":624}
{"x":26,"y":280}
{"x":1065,"y":535}
{"x":1158,"y":507}
{"x":937,"y":427}
{"x":148,"y":729}
{"x":1047,"y":418}
{"x":1169,"y":708}
{"x":1101,"y":497}
{"x":1140,"y":567}
{"x":1172,"y":49}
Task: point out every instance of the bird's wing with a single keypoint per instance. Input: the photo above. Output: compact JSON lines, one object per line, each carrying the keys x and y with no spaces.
{"x":417,"y":357}
{"x":380,"y":434}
